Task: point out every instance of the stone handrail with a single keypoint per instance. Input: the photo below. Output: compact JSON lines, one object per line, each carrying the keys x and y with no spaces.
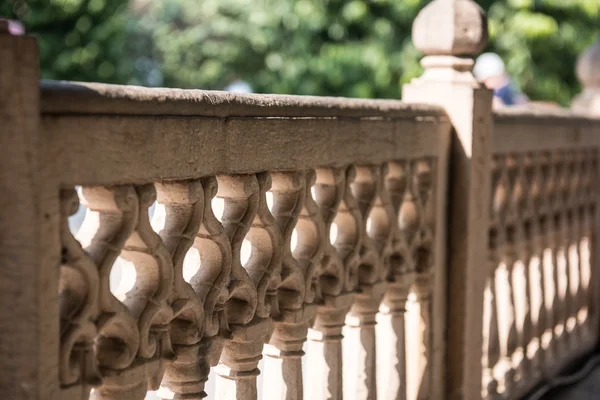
{"x":421,"y":249}
{"x":144,"y":127}
{"x":288,"y":172}
{"x":540,"y":304}
{"x":278,"y":219}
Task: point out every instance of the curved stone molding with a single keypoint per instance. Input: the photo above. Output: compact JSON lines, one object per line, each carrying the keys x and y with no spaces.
{"x":360,"y":360}
{"x":111,"y":220}
{"x":423,"y":178}
{"x":264,"y":266}
{"x":391,"y":338}
{"x":338,"y":278}
{"x":312,"y":238}
{"x":491,"y":344}
{"x":246,"y":216}
{"x":283,"y":367}
{"x":78,"y":304}
{"x":239,"y":194}
{"x":148,"y":300}
{"x":201,"y":256}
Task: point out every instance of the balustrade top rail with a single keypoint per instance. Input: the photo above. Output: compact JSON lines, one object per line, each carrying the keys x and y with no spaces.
{"x":219,"y":132}
{"x":59,"y":97}
{"x":529,"y":129}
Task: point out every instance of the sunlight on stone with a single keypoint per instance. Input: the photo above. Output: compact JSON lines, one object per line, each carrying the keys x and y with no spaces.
{"x":270,"y":201}
{"x":573,"y":270}
{"x":333,"y":233}
{"x":218,"y":206}
{"x":245,"y":252}
{"x":584,"y":248}
{"x":122,"y":278}
{"x":548,"y":268}
{"x":191,"y":264}
{"x":535,"y":286}
{"x":518,"y":283}
{"x":159,"y":214}
{"x":294,"y":240}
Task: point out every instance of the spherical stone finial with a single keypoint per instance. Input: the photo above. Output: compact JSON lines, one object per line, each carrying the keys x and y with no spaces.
{"x":450,"y":27}
{"x":588,"y":67}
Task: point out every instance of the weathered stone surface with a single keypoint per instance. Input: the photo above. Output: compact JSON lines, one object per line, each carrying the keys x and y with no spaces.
{"x":450,"y":27}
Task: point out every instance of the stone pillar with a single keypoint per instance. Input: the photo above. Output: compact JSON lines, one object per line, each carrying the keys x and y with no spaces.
{"x":588,"y":73}
{"x":29,"y":234}
{"x":450,"y":33}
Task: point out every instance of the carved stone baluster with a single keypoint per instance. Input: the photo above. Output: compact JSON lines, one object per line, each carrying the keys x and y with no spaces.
{"x":422,"y":245}
{"x":506,"y":318}
{"x":522,"y":284}
{"x":516,"y":351}
{"x":576,"y":182}
{"x":545,"y":222}
{"x":551,"y":293}
{"x":337,"y":278}
{"x":570,"y":240}
{"x":177,"y":218}
{"x":565,"y":213}
{"x":542,"y":325}
{"x":533,"y":250}
{"x":360,"y":362}
{"x":184,"y":218}
{"x":573,"y":270}
{"x":79,"y":309}
{"x":514,"y":264}
{"x":585,"y":223}
{"x":246,"y":217}
{"x":559,"y":257}
{"x":581,"y":199}
{"x":501,"y":214}
{"x":523,"y":205}
{"x":491,"y":344}
{"x":534,"y":264}
{"x":111,"y":219}
{"x":283,"y":367}
{"x":593,"y":312}
{"x":391,"y":333}
{"x":148,"y":300}
{"x":491,"y":340}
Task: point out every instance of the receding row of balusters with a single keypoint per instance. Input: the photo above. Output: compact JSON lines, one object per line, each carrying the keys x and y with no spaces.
{"x":537,"y":302}
{"x":328,"y":248}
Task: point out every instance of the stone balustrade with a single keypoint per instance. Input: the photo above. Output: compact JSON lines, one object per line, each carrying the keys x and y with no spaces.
{"x":270,"y":229}
{"x":429,"y":248}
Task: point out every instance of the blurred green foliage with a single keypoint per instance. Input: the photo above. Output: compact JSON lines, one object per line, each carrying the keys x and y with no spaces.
{"x":78,"y":39}
{"x":325,"y":47}
{"x":540,"y":41}
{"x":357,"y":48}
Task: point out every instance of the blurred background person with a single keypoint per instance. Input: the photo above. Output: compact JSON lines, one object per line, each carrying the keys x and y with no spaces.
{"x":490,"y":70}
{"x":239,"y":86}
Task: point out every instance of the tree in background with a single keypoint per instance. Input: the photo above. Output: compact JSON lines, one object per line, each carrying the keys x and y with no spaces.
{"x":357,"y":48}
{"x":78,"y":39}
{"x":540,"y":41}
{"x":324,"y":47}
